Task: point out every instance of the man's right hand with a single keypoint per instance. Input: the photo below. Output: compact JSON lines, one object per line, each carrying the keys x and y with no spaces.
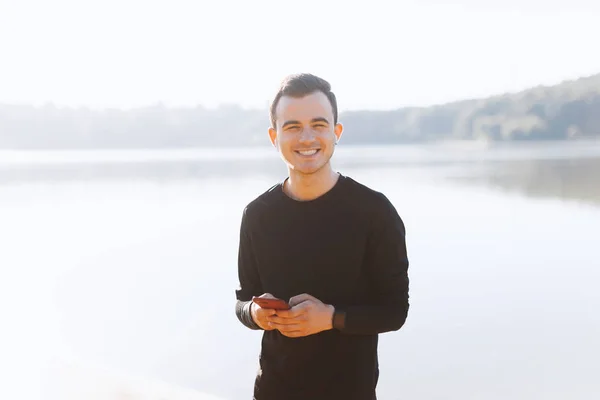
{"x":259,"y":314}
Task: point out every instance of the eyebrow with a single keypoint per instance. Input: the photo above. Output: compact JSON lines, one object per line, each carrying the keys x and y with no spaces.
{"x":294,"y":122}
{"x":320,"y":119}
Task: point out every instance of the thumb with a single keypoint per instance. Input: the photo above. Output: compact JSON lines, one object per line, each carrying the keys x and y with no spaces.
{"x":300,"y":298}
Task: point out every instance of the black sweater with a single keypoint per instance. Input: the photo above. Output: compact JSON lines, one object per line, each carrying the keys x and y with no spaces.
{"x":347,"y":248}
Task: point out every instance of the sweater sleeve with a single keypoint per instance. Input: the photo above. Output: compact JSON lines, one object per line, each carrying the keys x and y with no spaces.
{"x":387,"y":271}
{"x":249,"y":280}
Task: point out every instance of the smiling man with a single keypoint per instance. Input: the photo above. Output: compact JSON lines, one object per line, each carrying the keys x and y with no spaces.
{"x":331,"y":247}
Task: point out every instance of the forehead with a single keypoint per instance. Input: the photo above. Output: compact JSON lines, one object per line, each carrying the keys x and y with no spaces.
{"x":304,"y":108}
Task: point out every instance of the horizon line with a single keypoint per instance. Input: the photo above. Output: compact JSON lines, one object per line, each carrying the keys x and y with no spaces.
{"x":223,"y":105}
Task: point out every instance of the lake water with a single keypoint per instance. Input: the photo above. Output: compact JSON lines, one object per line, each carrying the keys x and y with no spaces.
{"x":118,"y":271}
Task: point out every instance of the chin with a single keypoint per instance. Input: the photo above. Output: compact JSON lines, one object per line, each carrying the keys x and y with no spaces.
{"x":308,"y":169}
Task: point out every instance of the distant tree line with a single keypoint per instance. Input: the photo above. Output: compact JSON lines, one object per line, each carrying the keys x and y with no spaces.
{"x":566,"y":111}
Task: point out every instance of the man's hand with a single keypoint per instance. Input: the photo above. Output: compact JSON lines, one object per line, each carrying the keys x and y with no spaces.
{"x":307,"y":316}
{"x":260,"y":315}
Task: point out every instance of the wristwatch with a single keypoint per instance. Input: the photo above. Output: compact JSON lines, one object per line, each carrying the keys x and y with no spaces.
{"x":338,"y":319}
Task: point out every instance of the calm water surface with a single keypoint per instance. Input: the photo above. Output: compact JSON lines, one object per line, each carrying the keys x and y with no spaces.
{"x":127,"y":261}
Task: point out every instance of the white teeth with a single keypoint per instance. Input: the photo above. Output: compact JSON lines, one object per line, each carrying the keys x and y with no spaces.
{"x":308,"y":152}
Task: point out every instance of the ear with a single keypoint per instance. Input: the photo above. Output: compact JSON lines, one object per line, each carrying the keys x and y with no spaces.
{"x":338,"y":130}
{"x":273,"y":136}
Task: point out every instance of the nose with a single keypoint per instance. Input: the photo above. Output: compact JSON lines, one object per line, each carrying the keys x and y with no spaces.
{"x":307,"y":135}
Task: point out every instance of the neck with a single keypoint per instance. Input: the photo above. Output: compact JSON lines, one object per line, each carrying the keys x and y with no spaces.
{"x":310,"y":186}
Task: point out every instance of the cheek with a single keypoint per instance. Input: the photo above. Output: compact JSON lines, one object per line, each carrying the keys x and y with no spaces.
{"x":287,"y":144}
{"x":327,"y":139}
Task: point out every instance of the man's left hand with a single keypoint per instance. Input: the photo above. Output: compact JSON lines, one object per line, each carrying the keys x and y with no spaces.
{"x":307,"y":316}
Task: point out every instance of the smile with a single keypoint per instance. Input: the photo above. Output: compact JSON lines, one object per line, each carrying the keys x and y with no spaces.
{"x":308,"y":152}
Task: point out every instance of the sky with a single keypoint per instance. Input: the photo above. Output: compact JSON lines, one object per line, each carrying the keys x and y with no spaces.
{"x":376,"y":54}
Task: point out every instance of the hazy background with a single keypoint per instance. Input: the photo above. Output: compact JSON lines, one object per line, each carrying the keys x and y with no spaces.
{"x":132,"y":134}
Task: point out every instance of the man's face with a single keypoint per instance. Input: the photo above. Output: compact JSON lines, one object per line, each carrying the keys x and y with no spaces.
{"x":306,"y":133}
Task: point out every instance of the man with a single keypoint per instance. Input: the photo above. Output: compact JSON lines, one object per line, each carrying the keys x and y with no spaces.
{"x":332,"y":247}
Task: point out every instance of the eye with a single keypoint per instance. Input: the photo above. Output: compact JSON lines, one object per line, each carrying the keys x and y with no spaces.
{"x":294,"y":128}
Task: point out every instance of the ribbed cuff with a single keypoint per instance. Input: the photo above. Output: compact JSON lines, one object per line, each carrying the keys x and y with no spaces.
{"x":243,"y":313}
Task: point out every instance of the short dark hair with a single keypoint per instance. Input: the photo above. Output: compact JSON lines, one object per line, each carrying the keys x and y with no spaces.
{"x":300,"y":85}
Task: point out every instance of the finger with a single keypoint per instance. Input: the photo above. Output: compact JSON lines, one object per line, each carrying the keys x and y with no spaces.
{"x":300,"y":298}
{"x":266,"y":296}
{"x":294,"y":334}
{"x":285,"y":327}
{"x":286,"y":321}
{"x":293,"y":312}
{"x":265,"y":312}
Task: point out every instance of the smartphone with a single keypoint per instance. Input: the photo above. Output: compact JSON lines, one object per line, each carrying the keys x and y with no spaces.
{"x":275,"y":304}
